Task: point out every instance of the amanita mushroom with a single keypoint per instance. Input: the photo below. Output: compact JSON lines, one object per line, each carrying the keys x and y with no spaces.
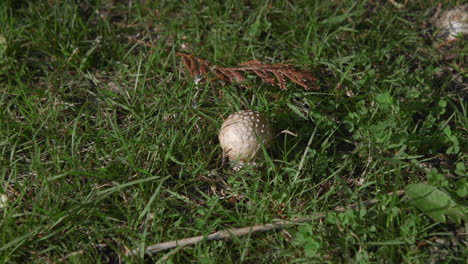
{"x":242,"y":134}
{"x":453,"y":23}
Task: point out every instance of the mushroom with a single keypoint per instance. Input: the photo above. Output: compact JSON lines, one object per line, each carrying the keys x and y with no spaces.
{"x":452,"y":23}
{"x":242,"y":134}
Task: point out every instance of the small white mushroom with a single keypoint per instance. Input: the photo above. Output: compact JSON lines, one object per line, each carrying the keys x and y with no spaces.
{"x":453,"y":23}
{"x":242,"y":134}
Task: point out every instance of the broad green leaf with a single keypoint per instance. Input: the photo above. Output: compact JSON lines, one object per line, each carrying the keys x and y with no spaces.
{"x":462,"y":188}
{"x":384,"y":98}
{"x":457,"y":214}
{"x":435,"y":203}
{"x":442,"y":103}
{"x":448,"y":131}
{"x":460,"y":169}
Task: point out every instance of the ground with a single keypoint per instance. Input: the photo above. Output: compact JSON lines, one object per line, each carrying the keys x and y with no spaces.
{"x":108,"y":144}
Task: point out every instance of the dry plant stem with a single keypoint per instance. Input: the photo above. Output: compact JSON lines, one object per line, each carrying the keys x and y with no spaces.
{"x":243,"y":231}
{"x":141,"y":42}
{"x":445,"y":43}
{"x":368,"y":202}
{"x":226,"y":234}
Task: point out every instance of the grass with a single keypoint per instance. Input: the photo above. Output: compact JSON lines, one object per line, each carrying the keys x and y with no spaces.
{"x":107,"y":144}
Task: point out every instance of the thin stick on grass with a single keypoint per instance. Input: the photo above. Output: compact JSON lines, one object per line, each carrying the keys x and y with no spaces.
{"x":368,"y":202}
{"x":225,"y":234}
{"x":243,"y":231}
{"x":445,"y":43}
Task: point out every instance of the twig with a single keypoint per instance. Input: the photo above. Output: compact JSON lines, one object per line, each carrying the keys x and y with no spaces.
{"x":368,"y":202}
{"x":141,"y":42}
{"x":225,"y":234}
{"x":445,"y":43}
{"x":243,"y":231}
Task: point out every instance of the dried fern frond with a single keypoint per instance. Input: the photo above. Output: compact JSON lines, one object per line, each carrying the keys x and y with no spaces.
{"x":275,"y":74}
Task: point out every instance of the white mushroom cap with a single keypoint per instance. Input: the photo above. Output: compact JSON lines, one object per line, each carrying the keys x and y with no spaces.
{"x":243,"y":133}
{"x":453,"y":22}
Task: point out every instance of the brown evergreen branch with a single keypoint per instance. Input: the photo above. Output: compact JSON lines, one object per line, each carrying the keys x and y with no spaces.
{"x":272,"y":74}
{"x":195,"y":66}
